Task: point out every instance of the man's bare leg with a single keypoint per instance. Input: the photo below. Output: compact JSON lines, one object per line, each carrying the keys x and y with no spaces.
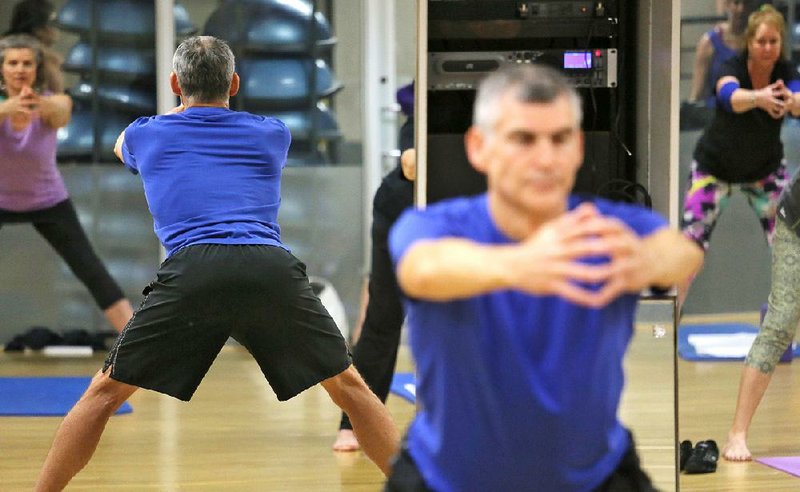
{"x":77,"y":437}
{"x":118,"y":314}
{"x":372,"y":424}
{"x":752,"y":387}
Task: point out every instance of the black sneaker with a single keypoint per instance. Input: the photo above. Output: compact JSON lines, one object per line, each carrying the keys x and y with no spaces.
{"x":703,"y":459}
{"x":685,"y":452}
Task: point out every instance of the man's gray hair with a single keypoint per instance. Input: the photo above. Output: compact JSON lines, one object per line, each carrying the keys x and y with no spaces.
{"x":204,"y":66}
{"x":528,"y":84}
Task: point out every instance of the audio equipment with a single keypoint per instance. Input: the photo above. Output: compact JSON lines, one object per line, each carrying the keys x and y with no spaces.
{"x":463,"y":70}
{"x":591,"y":42}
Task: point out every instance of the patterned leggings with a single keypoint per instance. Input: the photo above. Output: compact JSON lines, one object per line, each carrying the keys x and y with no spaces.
{"x":780,"y":323}
{"x":707,"y":197}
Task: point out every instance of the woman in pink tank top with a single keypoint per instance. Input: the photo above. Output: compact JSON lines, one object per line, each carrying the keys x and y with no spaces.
{"x":31,"y":187}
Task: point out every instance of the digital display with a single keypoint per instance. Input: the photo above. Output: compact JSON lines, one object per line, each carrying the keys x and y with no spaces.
{"x":578,"y":60}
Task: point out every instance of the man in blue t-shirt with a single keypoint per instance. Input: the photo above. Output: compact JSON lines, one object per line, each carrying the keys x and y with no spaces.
{"x":212,"y":182}
{"x":520,"y":304}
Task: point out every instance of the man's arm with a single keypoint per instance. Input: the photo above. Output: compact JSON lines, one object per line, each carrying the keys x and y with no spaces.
{"x":547,"y":263}
{"x":121,"y":139}
{"x":673,"y":257}
{"x":118,"y":146}
{"x":552,"y":262}
{"x":661,"y":259}
{"x":452,"y":268}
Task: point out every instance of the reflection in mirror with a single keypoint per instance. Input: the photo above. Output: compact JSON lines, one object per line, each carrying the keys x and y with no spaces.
{"x":733,"y":287}
{"x":108,"y":201}
{"x":649,"y":405}
{"x":707,"y":39}
{"x":651,"y":361}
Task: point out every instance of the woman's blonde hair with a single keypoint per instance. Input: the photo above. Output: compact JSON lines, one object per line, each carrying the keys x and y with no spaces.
{"x":766,"y":14}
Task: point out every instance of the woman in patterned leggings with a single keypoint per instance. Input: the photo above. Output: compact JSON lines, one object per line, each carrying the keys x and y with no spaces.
{"x":779,"y":326}
{"x":783,"y":313}
{"x":742,"y":146}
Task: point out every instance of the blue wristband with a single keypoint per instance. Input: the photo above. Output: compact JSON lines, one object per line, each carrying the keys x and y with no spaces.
{"x":725,"y":93}
{"x":794,"y":85}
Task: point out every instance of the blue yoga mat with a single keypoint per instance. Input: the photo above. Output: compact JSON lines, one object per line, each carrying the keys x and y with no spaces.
{"x":43,"y":396}
{"x":717,"y":341}
{"x":404,"y":384}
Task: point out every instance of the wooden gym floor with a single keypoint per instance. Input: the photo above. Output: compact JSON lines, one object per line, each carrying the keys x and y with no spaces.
{"x":235,"y":436}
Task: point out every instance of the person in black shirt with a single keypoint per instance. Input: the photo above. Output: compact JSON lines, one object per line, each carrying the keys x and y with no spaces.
{"x":742,"y":145}
{"x":375,"y":351}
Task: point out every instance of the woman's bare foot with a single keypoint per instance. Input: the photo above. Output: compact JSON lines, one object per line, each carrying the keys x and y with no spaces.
{"x":736,"y":448}
{"x":346,"y":441}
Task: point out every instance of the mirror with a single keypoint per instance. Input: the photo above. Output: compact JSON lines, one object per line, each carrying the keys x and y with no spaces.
{"x":737,"y":235}
{"x":649,"y":402}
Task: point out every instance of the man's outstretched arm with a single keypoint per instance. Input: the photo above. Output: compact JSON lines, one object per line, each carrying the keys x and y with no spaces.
{"x":674,"y":257}
{"x":550,"y":262}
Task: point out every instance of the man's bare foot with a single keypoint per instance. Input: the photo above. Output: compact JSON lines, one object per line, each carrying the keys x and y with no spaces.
{"x":736,"y":448}
{"x":346,"y":441}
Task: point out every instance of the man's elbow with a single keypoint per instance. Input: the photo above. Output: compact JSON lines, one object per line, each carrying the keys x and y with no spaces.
{"x":689,"y":261}
{"x":416,"y":277}
{"x":675,"y":256}
{"x":118,"y":146}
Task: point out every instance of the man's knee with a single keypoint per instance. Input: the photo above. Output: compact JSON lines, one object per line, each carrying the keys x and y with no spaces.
{"x":345,"y":386}
{"x":107,"y":393}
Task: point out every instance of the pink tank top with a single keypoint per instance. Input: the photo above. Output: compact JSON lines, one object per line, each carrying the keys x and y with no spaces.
{"x":29,"y":178}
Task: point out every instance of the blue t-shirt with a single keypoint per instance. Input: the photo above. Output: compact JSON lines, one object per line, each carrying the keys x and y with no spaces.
{"x":517,"y":392}
{"x":210,"y":175}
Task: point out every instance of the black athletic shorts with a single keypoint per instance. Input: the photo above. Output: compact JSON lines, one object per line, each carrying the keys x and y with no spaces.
{"x":203,"y":294}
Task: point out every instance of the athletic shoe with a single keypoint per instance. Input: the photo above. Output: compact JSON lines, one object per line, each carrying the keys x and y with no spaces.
{"x":703,"y":459}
